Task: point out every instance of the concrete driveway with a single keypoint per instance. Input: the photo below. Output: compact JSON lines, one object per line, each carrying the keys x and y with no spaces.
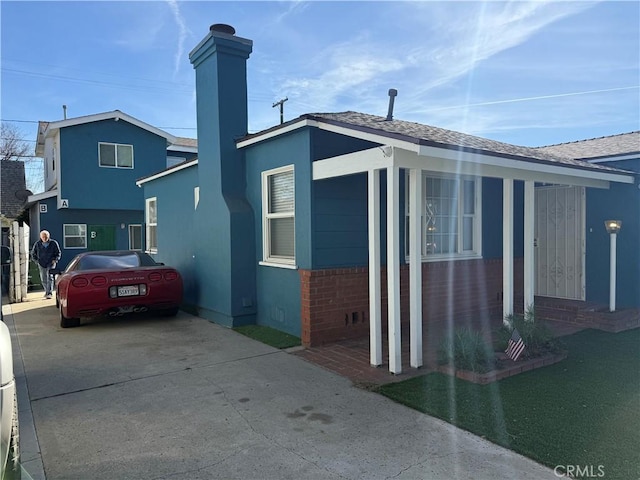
{"x":182,"y":398}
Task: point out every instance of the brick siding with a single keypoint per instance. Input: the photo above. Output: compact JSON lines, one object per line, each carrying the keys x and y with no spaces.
{"x":335,"y":302}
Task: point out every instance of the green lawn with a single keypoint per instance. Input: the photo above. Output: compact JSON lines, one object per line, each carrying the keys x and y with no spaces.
{"x":582,"y":411}
{"x":268,"y":335}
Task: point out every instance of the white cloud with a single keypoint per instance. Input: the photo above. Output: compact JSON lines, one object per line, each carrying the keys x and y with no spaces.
{"x":183,"y":32}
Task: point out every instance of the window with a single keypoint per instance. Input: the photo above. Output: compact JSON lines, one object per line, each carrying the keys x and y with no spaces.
{"x":115,"y":155}
{"x":75,"y":235}
{"x":135,"y":237}
{"x":450,"y":217}
{"x":278,"y":210}
{"x":151,"y":218}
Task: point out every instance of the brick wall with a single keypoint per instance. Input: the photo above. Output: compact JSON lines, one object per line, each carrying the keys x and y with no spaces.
{"x":335,"y":302}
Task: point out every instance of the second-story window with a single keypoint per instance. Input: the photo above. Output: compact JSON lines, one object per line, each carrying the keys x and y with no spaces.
{"x":115,"y":155}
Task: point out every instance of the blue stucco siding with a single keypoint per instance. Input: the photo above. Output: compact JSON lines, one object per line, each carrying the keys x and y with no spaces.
{"x":87,"y":185}
{"x":620,"y":202}
{"x":54,"y":221}
{"x":340,"y":222}
{"x":279,"y":302}
{"x":278,"y":289}
{"x":492,"y":221}
{"x":631,"y":164}
{"x":327,"y":144}
{"x":176,"y":226}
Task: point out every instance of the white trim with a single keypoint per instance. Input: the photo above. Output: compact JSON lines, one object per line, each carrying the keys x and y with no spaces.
{"x":442,"y":160}
{"x":147,"y":225}
{"x":477,"y":217}
{"x":393,"y":269}
{"x":267,"y":258}
{"x":278,"y":265}
{"x":507,"y":248}
{"x":612,"y":158}
{"x":480,"y":164}
{"x":583,"y":244}
{"x":115,"y":155}
{"x":351,"y":132}
{"x":31,"y":199}
{"x":64,"y":236}
{"x":529,"y":248}
{"x":415,"y":267}
{"x":357,"y":162}
{"x":522,"y":169}
{"x":375,"y":295}
{"x":115,"y":115}
{"x":166,"y":172}
{"x":182,"y":148}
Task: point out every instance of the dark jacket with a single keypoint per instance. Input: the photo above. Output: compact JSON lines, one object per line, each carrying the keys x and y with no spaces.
{"x":46,"y":256}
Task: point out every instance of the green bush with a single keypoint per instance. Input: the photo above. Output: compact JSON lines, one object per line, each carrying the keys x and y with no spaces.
{"x":537,"y":337}
{"x":466,"y":349}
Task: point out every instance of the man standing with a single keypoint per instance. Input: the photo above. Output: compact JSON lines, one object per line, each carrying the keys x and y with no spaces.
{"x":46,"y":253}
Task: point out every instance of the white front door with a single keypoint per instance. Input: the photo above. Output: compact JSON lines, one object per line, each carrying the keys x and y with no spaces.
{"x":559,"y":233}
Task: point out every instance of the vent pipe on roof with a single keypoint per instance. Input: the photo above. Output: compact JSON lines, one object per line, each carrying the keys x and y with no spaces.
{"x":64,"y":111}
{"x":393,"y":93}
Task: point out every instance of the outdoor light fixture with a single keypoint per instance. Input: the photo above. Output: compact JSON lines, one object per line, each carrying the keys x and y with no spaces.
{"x":613,"y":227}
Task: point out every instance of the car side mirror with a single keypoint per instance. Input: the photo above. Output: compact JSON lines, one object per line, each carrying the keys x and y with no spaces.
{"x":5,"y":258}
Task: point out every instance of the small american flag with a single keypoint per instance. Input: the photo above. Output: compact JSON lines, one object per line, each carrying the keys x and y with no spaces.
{"x":515,"y":346}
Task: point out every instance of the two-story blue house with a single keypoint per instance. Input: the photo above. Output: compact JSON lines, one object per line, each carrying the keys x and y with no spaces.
{"x":345,"y":225}
{"x":91,"y":164}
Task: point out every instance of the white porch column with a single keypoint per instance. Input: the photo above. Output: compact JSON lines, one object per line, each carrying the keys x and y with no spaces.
{"x":507,"y":248}
{"x":415,"y":266}
{"x":529,"y":248}
{"x":375,"y":319}
{"x":393,"y":268}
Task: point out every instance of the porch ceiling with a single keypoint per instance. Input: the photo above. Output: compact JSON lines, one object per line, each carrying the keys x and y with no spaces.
{"x":434,"y":159}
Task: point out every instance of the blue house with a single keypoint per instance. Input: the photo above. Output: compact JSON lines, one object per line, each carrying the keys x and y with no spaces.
{"x":91,"y":164}
{"x":346,"y":225}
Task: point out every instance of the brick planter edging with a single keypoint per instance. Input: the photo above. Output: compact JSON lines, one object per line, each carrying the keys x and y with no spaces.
{"x":513,"y":369}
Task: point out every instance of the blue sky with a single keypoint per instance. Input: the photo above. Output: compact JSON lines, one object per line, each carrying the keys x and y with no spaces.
{"x":526,"y":73}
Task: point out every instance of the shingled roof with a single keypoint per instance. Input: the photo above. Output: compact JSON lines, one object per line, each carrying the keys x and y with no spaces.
{"x":601,"y":147}
{"x":12,"y":181}
{"x":428,"y":135}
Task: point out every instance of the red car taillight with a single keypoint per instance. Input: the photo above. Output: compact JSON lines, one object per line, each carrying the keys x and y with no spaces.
{"x":79,"y":282}
{"x":171,"y":276}
{"x":98,"y":281}
{"x":155,"y":276}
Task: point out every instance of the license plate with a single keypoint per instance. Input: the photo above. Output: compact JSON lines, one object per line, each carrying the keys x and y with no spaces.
{"x":128,"y":291}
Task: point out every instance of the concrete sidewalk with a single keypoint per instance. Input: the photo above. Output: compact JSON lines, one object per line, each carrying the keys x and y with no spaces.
{"x":183,"y":398}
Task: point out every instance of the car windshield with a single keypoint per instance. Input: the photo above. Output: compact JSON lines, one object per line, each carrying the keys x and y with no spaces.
{"x":91,"y":262}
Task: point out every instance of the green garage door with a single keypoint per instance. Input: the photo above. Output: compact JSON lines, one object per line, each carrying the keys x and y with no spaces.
{"x":101,"y":237}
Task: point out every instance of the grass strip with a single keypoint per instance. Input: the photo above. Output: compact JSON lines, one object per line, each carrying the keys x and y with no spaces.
{"x":268,"y":335}
{"x":583,"y":411}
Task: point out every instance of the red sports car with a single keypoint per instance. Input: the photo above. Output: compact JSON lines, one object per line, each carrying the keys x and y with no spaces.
{"x":114,"y":283}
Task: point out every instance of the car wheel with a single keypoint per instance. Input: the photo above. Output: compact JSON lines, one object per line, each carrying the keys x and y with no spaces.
{"x":13,"y":470}
{"x":68,"y":322}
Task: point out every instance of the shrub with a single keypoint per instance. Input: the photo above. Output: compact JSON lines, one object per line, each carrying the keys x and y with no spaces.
{"x":537,"y":337}
{"x":466,"y":349}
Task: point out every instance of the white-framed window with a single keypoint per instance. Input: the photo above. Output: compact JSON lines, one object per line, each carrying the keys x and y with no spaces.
{"x":450,"y":218}
{"x":74,"y":235}
{"x":151,"y":221}
{"x":278,"y":216}
{"x":115,"y":155}
{"x":135,"y":237}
